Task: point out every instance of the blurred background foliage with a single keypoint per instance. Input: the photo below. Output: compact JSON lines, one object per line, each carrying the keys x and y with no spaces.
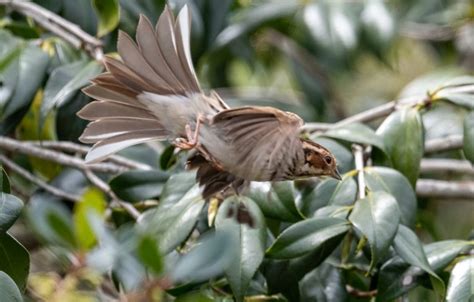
{"x":325,"y":60}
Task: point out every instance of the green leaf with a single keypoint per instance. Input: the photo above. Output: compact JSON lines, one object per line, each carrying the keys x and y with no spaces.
{"x":9,"y":67}
{"x":252,"y":18}
{"x":9,"y":58}
{"x":108,"y":12}
{"x":357,"y":133}
{"x":402,"y":133}
{"x":93,"y":200}
{"x":250,"y":242}
{"x":31,"y":71}
{"x":461,"y":281}
{"x":139,"y":185}
{"x":168,"y":158}
{"x":468,"y":141}
{"x":379,"y":25}
{"x":276,"y":200}
{"x":377,"y":217}
{"x":409,"y":248}
{"x":180,"y":205}
{"x":329,"y":192}
{"x":397,"y":277}
{"x":326,"y":283}
{"x":210,"y":258}
{"x":64,"y":82}
{"x":4,"y":181}
{"x":305,"y":236}
{"x":394,"y":183}
{"x":10,"y":209}
{"x":149,"y":254}
{"x":8,"y":289}
{"x":14,"y":260}
{"x":80,"y":12}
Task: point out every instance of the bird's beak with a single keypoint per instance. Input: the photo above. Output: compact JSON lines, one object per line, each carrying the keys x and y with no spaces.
{"x":336,"y":175}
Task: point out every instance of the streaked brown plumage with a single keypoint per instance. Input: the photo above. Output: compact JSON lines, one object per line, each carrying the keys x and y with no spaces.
{"x":154,"y":94}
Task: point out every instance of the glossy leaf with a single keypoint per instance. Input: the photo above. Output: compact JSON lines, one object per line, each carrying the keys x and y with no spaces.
{"x":468,"y":141}
{"x":305,"y":236}
{"x":394,"y":183}
{"x":210,"y":258}
{"x":409,"y":248}
{"x":10,"y":209}
{"x":402,"y":133}
{"x":250,"y":242}
{"x":108,"y":12}
{"x":377,"y":217}
{"x":461,"y":281}
{"x":178,"y":211}
{"x":31,"y":71}
{"x":9,"y":290}
{"x":139,"y":185}
{"x":276,"y":200}
{"x":325,"y":283}
{"x":93,"y":200}
{"x":9,"y":63}
{"x":14,"y":260}
{"x":357,"y":133}
{"x":64,"y":82}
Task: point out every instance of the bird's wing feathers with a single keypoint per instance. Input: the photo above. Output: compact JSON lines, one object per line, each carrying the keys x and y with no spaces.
{"x":134,"y":94}
{"x":263,"y":137}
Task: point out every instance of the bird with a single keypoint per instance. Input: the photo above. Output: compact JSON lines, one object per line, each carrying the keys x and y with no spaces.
{"x":153,"y":93}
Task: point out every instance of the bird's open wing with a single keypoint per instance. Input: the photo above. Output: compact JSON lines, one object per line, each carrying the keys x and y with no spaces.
{"x":263,"y":142}
{"x":152,"y":93}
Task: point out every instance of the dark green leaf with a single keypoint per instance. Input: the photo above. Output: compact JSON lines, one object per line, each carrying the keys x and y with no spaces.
{"x":276,"y":200}
{"x":8,"y":67}
{"x":402,"y":133}
{"x":8,"y":289}
{"x":149,"y":253}
{"x":108,"y":12}
{"x":377,"y":217}
{"x":409,"y":248}
{"x":10,"y":209}
{"x":393,"y":182}
{"x":210,"y":258}
{"x":167,"y":158}
{"x":357,"y":133}
{"x":461,"y":281}
{"x":305,"y":236}
{"x":469,"y":137}
{"x":250,"y":242}
{"x":139,"y":185}
{"x":64,"y":82}
{"x":326,"y":283}
{"x":31,"y":71}
{"x":80,"y":12}
{"x":14,"y":260}
{"x":4,"y":181}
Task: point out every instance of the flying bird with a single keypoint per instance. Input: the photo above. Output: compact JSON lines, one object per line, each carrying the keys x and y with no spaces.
{"x":153,"y":93}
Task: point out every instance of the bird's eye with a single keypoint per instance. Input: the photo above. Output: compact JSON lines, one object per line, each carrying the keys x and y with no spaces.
{"x":328,"y":160}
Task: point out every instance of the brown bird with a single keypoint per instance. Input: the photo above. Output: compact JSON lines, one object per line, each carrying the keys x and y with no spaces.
{"x":154,"y":94}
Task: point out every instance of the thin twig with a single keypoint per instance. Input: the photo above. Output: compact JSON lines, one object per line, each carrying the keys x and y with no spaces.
{"x":37,"y":181}
{"x":429,"y":32}
{"x":360,"y":293}
{"x":83,"y":149}
{"x":103,"y":186}
{"x":447,"y":143}
{"x":13,"y":145}
{"x":358,"y":151}
{"x":61,"y":27}
{"x":445,"y":189}
{"x":444,"y":165}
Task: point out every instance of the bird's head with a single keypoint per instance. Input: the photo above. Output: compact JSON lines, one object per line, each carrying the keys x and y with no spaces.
{"x":318,"y":161}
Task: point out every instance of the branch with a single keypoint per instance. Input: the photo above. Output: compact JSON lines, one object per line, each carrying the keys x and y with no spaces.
{"x":358,"y":151}
{"x":445,"y":189}
{"x":443,"y":165}
{"x":430,"y":32}
{"x":57,"y":157}
{"x":83,"y":149}
{"x":37,"y":181}
{"x":61,"y":27}
{"x":360,"y":293}
{"x":444,"y":144}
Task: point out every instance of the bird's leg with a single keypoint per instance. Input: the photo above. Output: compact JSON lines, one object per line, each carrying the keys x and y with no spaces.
{"x":192,"y":138}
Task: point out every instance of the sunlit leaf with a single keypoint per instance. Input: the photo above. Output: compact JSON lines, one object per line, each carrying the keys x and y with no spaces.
{"x":92,"y":200}
{"x":461,"y":280}
{"x":305,"y":236}
{"x":14,"y":260}
{"x":402,"y":133}
{"x":377,"y":217}
{"x":108,"y":12}
{"x":249,"y":241}
{"x":10,"y":209}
